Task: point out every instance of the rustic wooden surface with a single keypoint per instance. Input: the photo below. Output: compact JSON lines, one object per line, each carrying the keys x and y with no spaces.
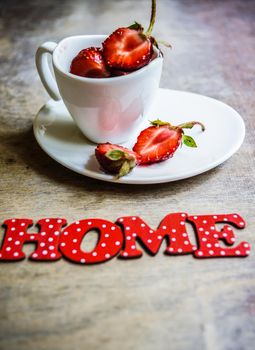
{"x":152,"y":303}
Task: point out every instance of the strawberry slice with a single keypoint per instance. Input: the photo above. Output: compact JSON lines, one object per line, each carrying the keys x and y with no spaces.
{"x":130,"y":48}
{"x":127,"y":49}
{"x":115,"y":159}
{"x":160,"y":141}
{"x":90,"y":63}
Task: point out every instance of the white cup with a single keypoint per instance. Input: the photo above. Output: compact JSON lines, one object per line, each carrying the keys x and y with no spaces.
{"x":105,"y":109}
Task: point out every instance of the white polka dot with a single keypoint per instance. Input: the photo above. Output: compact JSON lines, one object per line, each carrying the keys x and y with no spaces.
{"x":51,"y":247}
{"x":241,"y":223}
{"x":22,"y":224}
{"x":209,"y":245}
{"x":59,"y":221}
{"x":142,"y":225}
{"x":183,"y":215}
{"x":151,"y":231}
{"x":42,"y":244}
{"x":104,"y":226}
{"x":216,"y":245}
{"x":235,"y":216}
{"x":106,"y":235}
{"x":205,"y":221}
{"x":13,"y":220}
{"x":34,"y":255}
{"x":201,"y":229}
{"x":237,"y":252}
{"x":215,"y":216}
{"x":74,"y":251}
{"x":179,"y":250}
{"x":65,"y":233}
{"x":44,"y":252}
{"x":47,"y":220}
{"x":232,"y":239}
{"x":43,"y":233}
{"x":0,"y":255}
{"x":246,"y":245}
{"x":149,"y":240}
{"x":211,"y":252}
{"x":194,"y":248}
{"x":51,"y":226}
{"x":134,"y":234}
{"x":77,"y":222}
{"x":16,"y":254}
{"x":117,"y":243}
{"x":53,"y":255}
{"x":133,"y":218}
{"x":247,"y":252}
{"x":224,"y":234}
{"x":78,"y":229}
{"x":225,"y":219}
{"x":121,"y":219}
{"x":127,"y":228}
{"x":212,"y":228}
{"x":184,"y":234}
{"x":216,"y":235}
{"x":159,"y":237}
{"x":8,"y":249}
{"x":207,"y":233}
{"x":50,"y":239}
{"x":125,"y":254}
{"x":32,"y":237}
{"x":62,"y":244}
{"x":94,"y":253}
{"x":107,"y":256}
{"x":114,"y":228}
{"x":200,"y":253}
{"x":229,"y":228}
{"x":186,"y":242}
{"x":13,"y":229}
{"x":56,"y":233}
{"x":204,"y":239}
{"x":9,"y":239}
{"x":103,"y":244}
{"x":195,"y":217}
{"x":173,"y":230}
{"x":21,"y":233}
{"x":173,"y":239}
{"x":133,"y":247}
{"x":89,"y":223}
{"x":222,"y":252}
{"x":83,"y":261}
{"x":171,"y":249}
{"x":75,"y":240}
{"x":128,"y":238}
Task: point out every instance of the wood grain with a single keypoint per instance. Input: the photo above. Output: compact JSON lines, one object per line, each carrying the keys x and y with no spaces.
{"x":155,"y":303}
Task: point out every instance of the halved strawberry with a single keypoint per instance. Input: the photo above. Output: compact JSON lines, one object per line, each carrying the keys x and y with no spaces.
{"x":159,"y":141}
{"x":128,"y":49}
{"x":90,"y":63}
{"x":115,"y":159}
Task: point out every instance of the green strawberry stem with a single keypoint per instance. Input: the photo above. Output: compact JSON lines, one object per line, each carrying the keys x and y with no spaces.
{"x":153,"y":17}
{"x":189,"y":125}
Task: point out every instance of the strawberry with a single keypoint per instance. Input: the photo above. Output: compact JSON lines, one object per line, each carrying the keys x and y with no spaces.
{"x":90,"y":63}
{"x":128,"y":49}
{"x":159,"y":141}
{"x":115,"y":159}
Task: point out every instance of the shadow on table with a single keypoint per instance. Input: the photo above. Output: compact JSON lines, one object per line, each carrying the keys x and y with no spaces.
{"x":25,"y":149}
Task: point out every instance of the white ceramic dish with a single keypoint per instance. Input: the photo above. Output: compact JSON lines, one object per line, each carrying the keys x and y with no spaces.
{"x":61,"y":139}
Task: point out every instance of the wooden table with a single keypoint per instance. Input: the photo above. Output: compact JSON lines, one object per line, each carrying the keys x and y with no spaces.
{"x":156,"y":302}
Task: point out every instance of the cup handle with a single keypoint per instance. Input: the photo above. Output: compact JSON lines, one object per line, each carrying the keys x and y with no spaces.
{"x":42,"y":65}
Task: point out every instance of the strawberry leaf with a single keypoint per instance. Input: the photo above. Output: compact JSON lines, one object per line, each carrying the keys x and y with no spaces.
{"x":158,"y":122}
{"x":188,"y":141}
{"x":115,"y":154}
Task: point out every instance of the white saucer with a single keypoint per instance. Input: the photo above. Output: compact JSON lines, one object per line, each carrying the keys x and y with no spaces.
{"x":59,"y":137}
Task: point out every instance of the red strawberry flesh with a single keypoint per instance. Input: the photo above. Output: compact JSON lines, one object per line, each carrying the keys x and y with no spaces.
{"x":127,"y":49}
{"x":156,"y":144}
{"x":90,"y":63}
